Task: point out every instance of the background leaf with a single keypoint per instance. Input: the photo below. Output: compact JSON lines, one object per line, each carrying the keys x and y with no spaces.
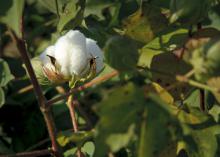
{"x":14,"y":12}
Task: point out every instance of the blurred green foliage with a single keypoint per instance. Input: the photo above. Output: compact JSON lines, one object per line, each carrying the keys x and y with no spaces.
{"x":143,"y":112}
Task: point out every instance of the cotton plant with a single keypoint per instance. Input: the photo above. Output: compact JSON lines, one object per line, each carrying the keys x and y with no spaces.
{"x":72,"y":58}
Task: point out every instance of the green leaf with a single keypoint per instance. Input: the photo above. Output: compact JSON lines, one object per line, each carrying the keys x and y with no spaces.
{"x":2,"y":97}
{"x":72,"y":15}
{"x":215,"y":112}
{"x":193,"y":100}
{"x":121,"y":53}
{"x":165,"y":67}
{"x":66,"y":137}
{"x":202,"y":141}
{"x":52,"y":6}
{"x":168,"y":40}
{"x":5,"y":74}
{"x":189,"y":12}
{"x":13,"y":12}
{"x":206,"y":142}
{"x":97,"y":7}
{"x":118,"y":141}
{"x":142,"y":26}
{"x":200,"y":132}
{"x":206,"y":60}
{"x":155,"y":118}
{"x":70,"y":152}
{"x":88,"y":148}
{"x":215,"y":82}
{"x":117,"y":115}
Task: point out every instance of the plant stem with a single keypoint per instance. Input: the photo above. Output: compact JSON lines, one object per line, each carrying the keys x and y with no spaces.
{"x":196,"y":84}
{"x":20,"y":43}
{"x":71,"y":105}
{"x":80,"y":88}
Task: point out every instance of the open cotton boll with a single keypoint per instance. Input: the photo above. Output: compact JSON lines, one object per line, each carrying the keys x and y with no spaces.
{"x":95,"y":52}
{"x":72,"y":58}
{"x":44,"y":57}
{"x":70,"y":53}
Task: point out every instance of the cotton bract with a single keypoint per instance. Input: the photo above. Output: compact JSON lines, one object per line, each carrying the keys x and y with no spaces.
{"x":73,"y":57}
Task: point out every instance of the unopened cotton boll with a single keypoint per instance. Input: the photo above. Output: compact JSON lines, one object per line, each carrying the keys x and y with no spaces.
{"x":72,"y":57}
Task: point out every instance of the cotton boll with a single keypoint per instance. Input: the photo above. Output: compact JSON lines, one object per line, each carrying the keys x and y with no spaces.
{"x":94,"y":51}
{"x":44,"y":57}
{"x":62,"y":54}
{"x":70,"y":53}
{"x":72,"y":58}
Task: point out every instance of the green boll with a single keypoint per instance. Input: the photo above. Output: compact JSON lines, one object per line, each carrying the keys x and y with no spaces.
{"x":38,"y":70}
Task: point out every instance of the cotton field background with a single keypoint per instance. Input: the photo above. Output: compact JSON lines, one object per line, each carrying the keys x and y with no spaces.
{"x":110,"y":78}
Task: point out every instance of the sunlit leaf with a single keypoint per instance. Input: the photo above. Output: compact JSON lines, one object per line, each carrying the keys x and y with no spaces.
{"x":70,"y":152}
{"x":215,"y":83}
{"x":206,"y":60}
{"x":215,"y":112}
{"x":88,"y":148}
{"x":67,"y":137}
{"x":168,"y":40}
{"x":142,"y":25}
{"x":162,"y":93}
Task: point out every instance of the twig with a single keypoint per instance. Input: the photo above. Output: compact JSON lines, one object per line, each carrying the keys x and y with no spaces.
{"x":36,"y":153}
{"x":196,"y":84}
{"x":20,"y":43}
{"x":80,"y":88}
{"x":25,"y":89}
{"x":71,"y":105}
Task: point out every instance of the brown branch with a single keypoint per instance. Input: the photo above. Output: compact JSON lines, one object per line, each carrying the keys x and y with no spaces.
{"x":30,"y":154}
{"x":20,"y":43}
{"x":80,"y":88}
{"x":71,"y":105}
